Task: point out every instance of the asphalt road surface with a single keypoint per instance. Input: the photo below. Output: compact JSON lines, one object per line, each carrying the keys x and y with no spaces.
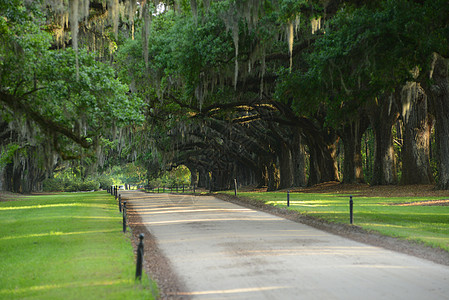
{"x":224,"y":251}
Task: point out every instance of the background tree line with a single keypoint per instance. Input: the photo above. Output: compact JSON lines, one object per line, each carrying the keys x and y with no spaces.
{"x":274,"y":93}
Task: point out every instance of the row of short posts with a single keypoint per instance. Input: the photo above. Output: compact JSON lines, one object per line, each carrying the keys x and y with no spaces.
{"x":140,"y":248}
{"x":351,"y":206}
{"x":113,"y":190}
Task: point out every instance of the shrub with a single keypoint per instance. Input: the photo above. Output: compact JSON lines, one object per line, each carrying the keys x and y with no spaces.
{"x":53,"y":185}
{"x":89,"y":185}
{"x":105,"y":181}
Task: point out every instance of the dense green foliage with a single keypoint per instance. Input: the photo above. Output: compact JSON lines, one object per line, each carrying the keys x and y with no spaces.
{"x":274,"y":93}
{"x":57,"y":104}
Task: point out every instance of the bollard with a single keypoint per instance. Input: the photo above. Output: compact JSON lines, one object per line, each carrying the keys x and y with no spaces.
{"x":194,"y":188}
{"x":120,"y":203}
{"x":235,"y":187}
{"x":124,"y":216}
{"x":183,"y":188}
{"x":288,"y":198}
{"x":139,"y":257}
{"x":351,"y":210}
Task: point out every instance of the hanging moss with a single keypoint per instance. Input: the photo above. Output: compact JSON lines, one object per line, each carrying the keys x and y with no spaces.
{"x":315,"y":24}
{"x":132,"y":4}
{"x":74,"y":6}
{"x":146,"y":32}
{"x":290,"y":42}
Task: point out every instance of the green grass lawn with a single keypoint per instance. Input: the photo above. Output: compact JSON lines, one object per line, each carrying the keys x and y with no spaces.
{"x":67,"y":246}
{"x":426,"y":224}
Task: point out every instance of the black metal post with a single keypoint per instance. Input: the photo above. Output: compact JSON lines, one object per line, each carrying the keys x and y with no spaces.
{"x":139,"y":258}
{"x":235,"y":187}
{"x":351,"y":210}
{"x":176,"y":188}
{"x":124,"y":216}
{"x":120,"y":203}
{"x":194,"y":188}
{"x":288,"y":198}
{"x":183,"y":188}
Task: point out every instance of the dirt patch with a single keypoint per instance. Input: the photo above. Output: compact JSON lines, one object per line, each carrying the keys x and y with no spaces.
{"x":353,"y":232}
{"x":156,"y":264}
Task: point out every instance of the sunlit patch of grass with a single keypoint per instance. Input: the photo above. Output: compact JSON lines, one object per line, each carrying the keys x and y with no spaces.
{"x":426,"y":224}
{"x":67,"y":246}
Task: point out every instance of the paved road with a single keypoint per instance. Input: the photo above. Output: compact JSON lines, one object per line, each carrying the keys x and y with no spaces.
{"x":224,"y":251}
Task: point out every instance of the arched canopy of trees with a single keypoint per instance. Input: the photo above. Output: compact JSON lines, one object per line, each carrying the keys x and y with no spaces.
{"x":274,"y":93}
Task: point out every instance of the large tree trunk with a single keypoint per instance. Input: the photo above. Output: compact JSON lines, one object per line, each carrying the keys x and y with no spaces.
{"x":417,"y":126}
{"x":193,"y":176}
{"x":299,"y":160}
{"x":383,"y":114}
{"x":323,"y":163}
{"x":273,"y":176}
{"x":2,"y":178}
{"x":221,"y":180}
{"x":438,"y":93}
{"x":352,"y":144}
{"x":285,"y":166}
{"x":203,"y":178}
{"x":263,"y":173}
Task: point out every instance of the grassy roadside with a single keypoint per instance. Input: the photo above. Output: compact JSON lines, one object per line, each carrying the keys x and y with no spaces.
{"x":423,"y":224}
{"x":67,"y":246}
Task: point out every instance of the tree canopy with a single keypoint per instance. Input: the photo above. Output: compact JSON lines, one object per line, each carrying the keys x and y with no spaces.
{"x":274,"y":93}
